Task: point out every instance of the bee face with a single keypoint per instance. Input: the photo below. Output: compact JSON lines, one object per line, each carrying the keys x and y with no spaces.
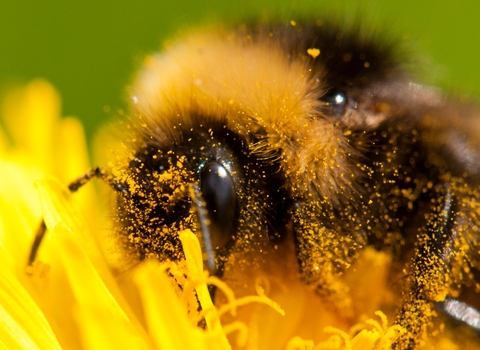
{"x":268,"y":133}
{"x":207,"y":163}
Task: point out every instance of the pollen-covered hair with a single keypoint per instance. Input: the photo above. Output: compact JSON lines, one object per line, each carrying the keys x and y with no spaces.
{"x":266,"y":84}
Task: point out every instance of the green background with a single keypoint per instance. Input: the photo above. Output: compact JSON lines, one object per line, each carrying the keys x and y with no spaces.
{"x":89,"y":49}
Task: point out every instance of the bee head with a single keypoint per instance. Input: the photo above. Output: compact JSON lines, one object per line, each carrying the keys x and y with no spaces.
{"x":201,"y":178}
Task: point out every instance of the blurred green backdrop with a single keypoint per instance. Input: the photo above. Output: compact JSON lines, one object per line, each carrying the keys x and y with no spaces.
{"x":89,"y":49}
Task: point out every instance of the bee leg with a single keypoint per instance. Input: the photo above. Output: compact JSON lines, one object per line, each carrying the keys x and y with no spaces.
{"x":429,"y":281}
{"x":462,"y":313}
{"x":321,"y":257}
{"x":73,"y":187}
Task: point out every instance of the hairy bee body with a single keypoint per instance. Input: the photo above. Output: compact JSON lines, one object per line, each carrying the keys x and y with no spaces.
{"x":313,"y":134}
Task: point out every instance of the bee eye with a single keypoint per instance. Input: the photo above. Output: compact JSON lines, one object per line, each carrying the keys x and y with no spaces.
{"x":220,"y":199}
{"x":335,"y":102}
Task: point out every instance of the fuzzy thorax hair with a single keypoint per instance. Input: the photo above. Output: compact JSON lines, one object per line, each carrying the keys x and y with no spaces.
{"x":262,"y":92}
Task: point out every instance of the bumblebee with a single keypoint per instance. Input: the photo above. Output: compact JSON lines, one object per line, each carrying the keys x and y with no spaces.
{"x":314,"y":135}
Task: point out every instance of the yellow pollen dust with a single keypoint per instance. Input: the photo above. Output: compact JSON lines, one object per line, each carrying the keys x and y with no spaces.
{"x":314,"y":52}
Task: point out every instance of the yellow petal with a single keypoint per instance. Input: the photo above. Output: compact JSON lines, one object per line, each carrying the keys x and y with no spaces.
{"x":166,"y":317}
{"x":23,"y":325}
{"x":20,"y":210}
{"x":75,"y":162}
{"x":37,"y":106}
{"x":103,"y":322}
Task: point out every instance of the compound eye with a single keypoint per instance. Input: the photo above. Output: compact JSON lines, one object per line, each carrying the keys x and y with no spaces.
{"x":336,"y":102}
{"x":219,"y":195}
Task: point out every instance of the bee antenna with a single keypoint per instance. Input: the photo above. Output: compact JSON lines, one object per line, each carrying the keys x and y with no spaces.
{"x":201,"y":211}
{"x":96,"y":172}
